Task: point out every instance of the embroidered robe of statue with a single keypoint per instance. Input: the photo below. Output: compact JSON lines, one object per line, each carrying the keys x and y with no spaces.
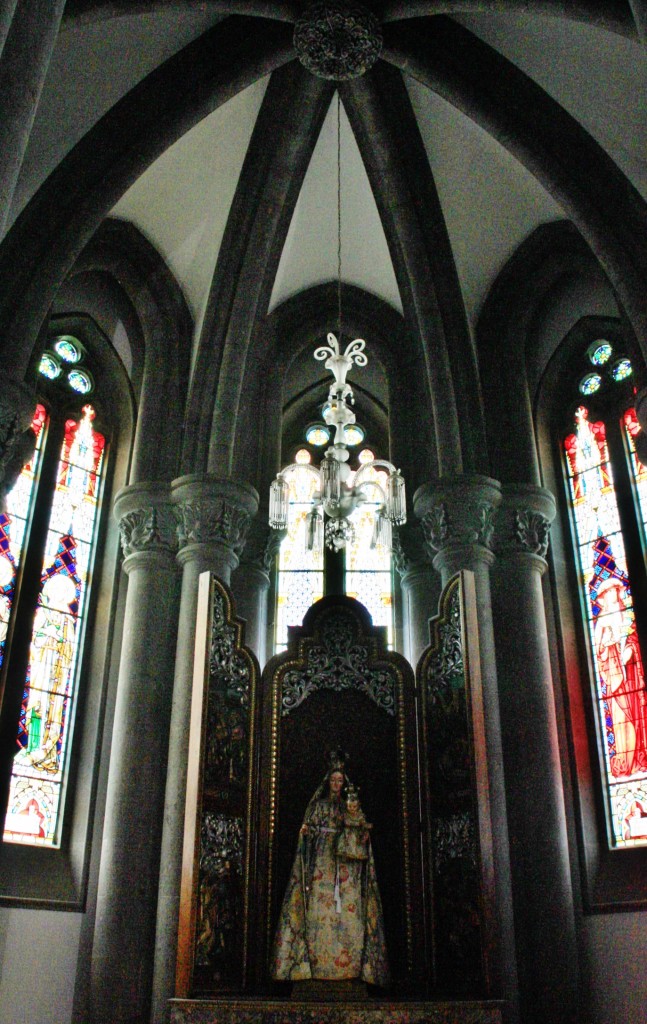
{"x":331,"y":925}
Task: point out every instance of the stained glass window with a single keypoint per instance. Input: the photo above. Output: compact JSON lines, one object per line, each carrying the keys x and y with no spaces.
{"x":621,"y":370}
{"x":301,"y":572}
{"x":599,"y":352}
{"x":50,"y":690}
{"x":590,"y":383}
{"x":620,"y":694}
{"x":368,"y":566}
{"x":13,"y":525}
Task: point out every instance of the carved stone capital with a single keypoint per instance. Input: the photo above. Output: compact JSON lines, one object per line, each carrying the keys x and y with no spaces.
{"x":457,"y":517}
{"x":213,"y":514}
{"x":17,"y":405}
{"x":146,"y":520}
{"x":409,"y":549}
{"x":523,"y":522}
{"x":262,"y":545}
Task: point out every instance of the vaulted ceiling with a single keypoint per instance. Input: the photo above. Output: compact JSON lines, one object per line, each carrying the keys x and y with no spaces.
{"x":591,"y":63}
{"x":481,"y":122}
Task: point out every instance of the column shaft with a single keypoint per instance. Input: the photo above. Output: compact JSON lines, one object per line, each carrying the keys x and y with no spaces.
{"x":214,"y":516}
{"x":122,"y":960}
{"x":542,"y":883}
{"x":458,"y":519}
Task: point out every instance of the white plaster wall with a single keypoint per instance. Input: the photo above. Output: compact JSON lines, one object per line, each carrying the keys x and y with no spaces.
{"x":615,"y":951}
{"x":38,"y":956}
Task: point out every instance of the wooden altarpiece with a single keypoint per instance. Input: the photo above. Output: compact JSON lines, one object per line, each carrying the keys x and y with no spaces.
{"x":417,"y":752}
{"x":457,"y":825}
{"x":338,"y":687}
{"x":213,"y":933}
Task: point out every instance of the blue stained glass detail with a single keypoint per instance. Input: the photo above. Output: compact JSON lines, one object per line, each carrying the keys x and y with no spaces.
{"x":590,"y":383}
{"x":600,"y":352}
{"x":49,"y":367}
{"x":80,"y":381}
{"x":621,"y":370}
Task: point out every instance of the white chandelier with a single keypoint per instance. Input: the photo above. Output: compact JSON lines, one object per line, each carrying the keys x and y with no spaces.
{"x":339,"y":491}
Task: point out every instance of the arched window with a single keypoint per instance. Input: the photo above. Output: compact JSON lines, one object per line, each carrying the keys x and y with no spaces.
{"x":48,"y":536}
{"x":302,"y":563}
{"x":607,"y":491}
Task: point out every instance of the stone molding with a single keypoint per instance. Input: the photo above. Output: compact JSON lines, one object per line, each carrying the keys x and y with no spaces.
{"x":524,"y":521}
{"x":458,"y":513}
{"x":146,"y":519}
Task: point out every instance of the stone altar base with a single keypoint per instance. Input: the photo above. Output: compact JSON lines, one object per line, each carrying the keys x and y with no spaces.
{"x":296,"y":1011}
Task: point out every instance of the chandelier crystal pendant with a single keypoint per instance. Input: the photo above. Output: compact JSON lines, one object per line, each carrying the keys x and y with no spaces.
{"x":339,"y":490}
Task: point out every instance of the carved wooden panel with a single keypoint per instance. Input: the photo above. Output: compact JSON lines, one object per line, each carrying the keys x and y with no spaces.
{"x":338,"y":687}
{"x":457,"y":824}
{"x":213,"y":933}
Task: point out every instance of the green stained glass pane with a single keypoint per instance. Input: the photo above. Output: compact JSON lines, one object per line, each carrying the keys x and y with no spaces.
{"x":45,"y":726}
{"x":590,"y":383}
{"x":49,"y":367}
{"x":68,"y":348}
{"x":607,"y":601}
{"x":600,"y":352}
{"x":80,"y":381}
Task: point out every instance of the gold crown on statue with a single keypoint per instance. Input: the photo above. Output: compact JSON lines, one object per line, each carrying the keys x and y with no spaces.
{"x":337,"y":761}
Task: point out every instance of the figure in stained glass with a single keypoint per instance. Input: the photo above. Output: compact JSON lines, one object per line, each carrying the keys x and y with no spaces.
{"x":622,"y":677}
{"x":52,"y":652}
{"x":44,"y":724}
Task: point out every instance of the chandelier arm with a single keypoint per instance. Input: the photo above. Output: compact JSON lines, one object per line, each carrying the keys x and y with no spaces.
{"x":372,"y":465}
{"x":298,"y":465}
{"x":358,"y":488}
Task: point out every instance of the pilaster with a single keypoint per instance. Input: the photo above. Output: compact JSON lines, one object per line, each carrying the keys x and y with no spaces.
{"x":213,"y":518}
{"x":542,"y":883}
{"x":420,"y":585}
{"x":251,"y":583}
{"x":457,"y":516}
{"x":122,"y":961}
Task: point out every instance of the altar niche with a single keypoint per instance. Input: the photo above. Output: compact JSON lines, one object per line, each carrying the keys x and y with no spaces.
{"x":337,"y":687}
{"x":415,"y":753}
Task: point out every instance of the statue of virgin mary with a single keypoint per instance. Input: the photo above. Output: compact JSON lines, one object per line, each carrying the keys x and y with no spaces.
{"x":331,"y":925}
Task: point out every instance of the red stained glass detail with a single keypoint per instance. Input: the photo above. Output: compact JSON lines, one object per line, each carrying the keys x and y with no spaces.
{"x":621,"y":692}
{"x":48,"y":699}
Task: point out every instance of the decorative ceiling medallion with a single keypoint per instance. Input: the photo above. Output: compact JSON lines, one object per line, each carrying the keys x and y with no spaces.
{"x":338,"y":41}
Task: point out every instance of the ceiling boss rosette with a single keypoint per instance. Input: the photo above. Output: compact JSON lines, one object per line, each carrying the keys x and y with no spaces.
{"x":338,"y":41}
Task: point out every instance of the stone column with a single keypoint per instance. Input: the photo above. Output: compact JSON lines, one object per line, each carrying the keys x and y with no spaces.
{"x":457,"y":516}
{"x":17,"y":407}
{"x":251,"y":582}
{"x":23,"y":66}
{"x":213,"y":516}
{"x":420,"y":585}
{"x":542,"y":883}
{"x":122,"y":958}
